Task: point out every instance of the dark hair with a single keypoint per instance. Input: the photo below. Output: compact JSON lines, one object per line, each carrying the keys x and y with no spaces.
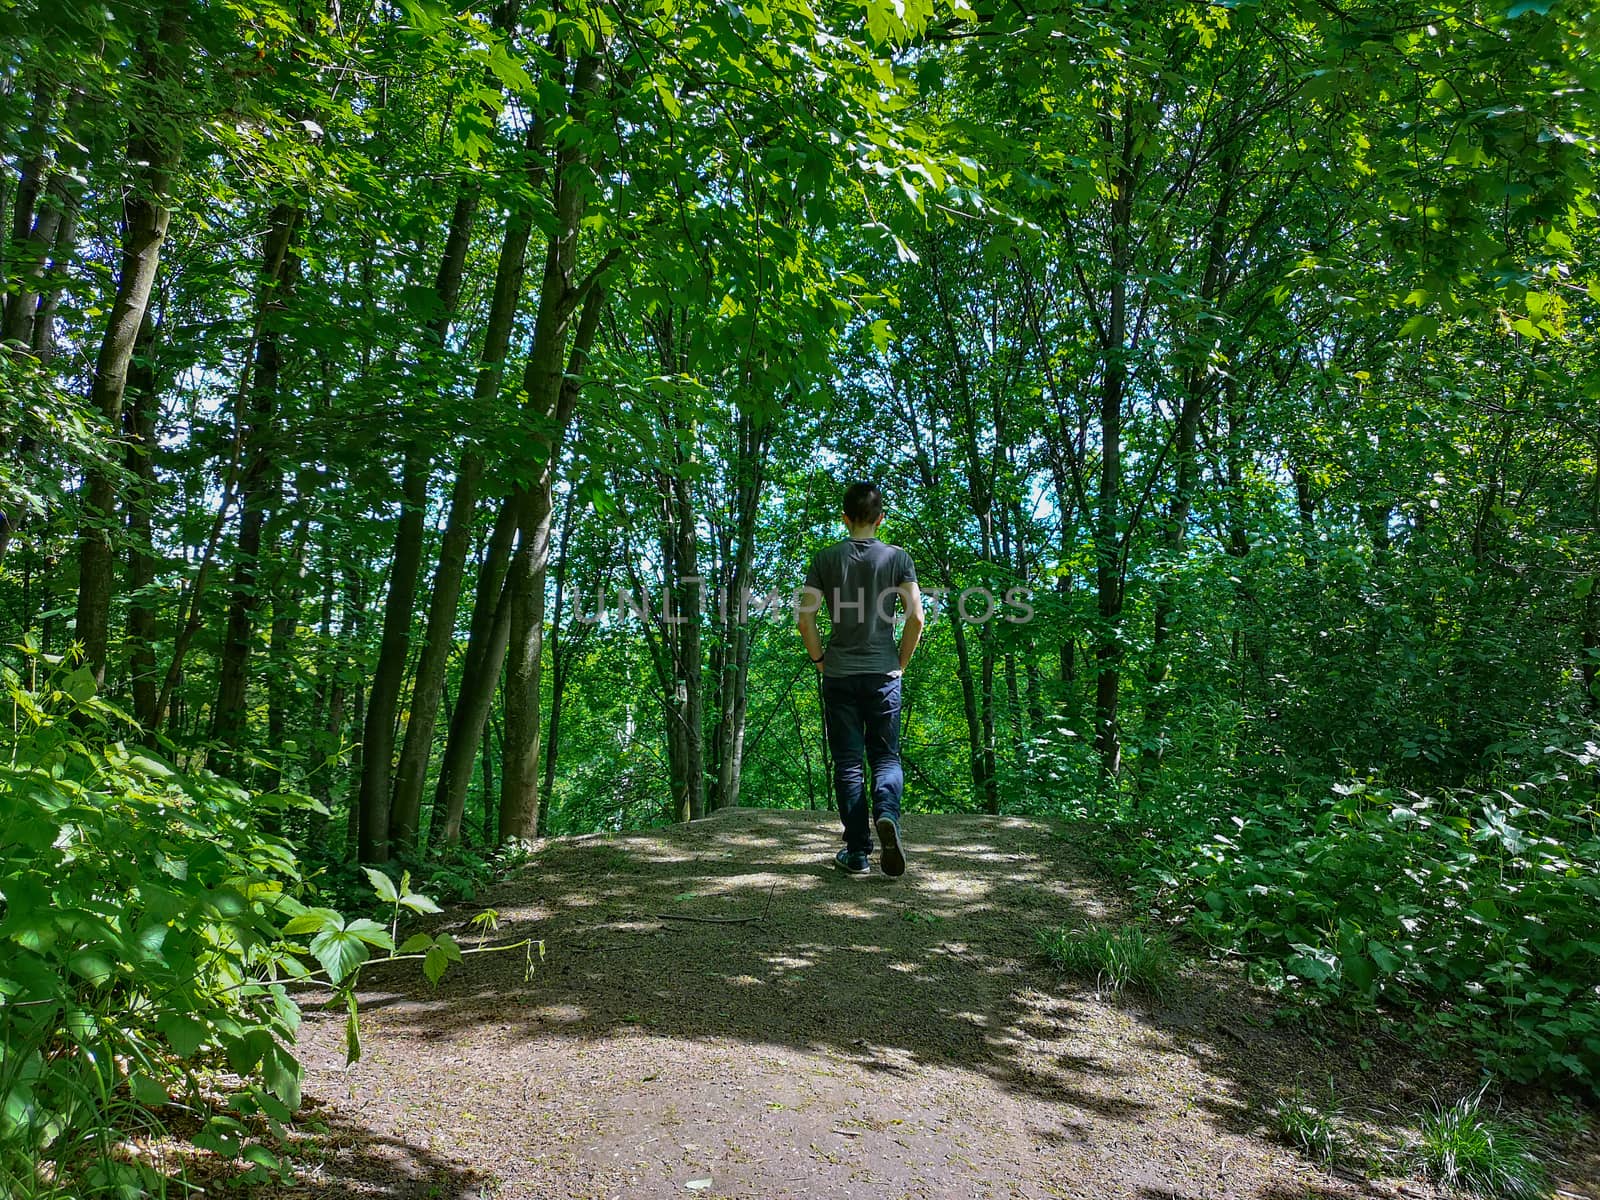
{"x":863,"y":503}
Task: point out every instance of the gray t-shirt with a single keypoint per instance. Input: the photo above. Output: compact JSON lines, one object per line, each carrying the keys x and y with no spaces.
{"x":857,"y":578}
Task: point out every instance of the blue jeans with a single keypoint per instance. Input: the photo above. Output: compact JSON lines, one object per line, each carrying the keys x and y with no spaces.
{"x":863,"y":719}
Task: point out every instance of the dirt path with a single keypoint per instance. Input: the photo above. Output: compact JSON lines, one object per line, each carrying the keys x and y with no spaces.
{"x":866,"y":1038}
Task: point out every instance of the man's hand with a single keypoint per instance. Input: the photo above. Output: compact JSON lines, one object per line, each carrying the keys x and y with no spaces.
{"x":911,"y":596}
{"x":806,"y":619}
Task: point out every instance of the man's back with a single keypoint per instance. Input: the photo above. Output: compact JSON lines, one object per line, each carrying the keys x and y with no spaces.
{"x":858,"y":580}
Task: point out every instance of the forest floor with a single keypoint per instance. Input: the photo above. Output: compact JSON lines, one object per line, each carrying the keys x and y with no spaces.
{"x":849,"y":1037}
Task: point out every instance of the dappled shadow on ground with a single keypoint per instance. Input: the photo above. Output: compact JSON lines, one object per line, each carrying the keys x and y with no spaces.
{"x":737,"y":932}
{"x":346,"y":1160}
{"x":329,"y":1155}
{"x":1578,"y":1174}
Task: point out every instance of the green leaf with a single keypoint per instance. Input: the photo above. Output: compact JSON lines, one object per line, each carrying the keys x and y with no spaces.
{"x":425,"y":16}
{"x":1312,"y":964}
{"x":416,"y":942}
{"x":245,"y":1053}
{"x":436,"y":963}
{"x":184,"y":1034}
{"x":371,"y":933}
{"x":261,"y":1157}
{"x":1387,"y":960}
{"x":1358,"y":971}
{"x":221,"y":1134}
{"x":94,"y":965}
{"x":1423,"y":325}
{"x":382,"y":885}
{"x":283,"y":1074}
{"x":417,"y":902}
{"x":146,"y":1090}
{"x":352,"y":1029}
{"x":1486,"y":908}
{"x":313,"y":920}
{"x":339,"y":951}
{"x":80,"y":685}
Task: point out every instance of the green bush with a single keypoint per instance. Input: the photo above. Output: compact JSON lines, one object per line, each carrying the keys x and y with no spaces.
{"x":141,"y":924}
{"x":1471,"y":909}
{"x":148,"y":926}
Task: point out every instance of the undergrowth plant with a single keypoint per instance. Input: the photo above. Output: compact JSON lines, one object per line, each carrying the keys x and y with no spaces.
{"x":1311,"y":1125}
{"x":1461,"y":1146}
{"x":1469,"y":910}
{"x":153,"y":933}
{"x":1117,"y":959}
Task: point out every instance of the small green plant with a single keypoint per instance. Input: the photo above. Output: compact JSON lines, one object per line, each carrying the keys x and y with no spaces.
{"x":1460,"y":1146}
{"x":1566,"y":1121}
{"x":513,"y":853}
{"x":610,"y":858}
{"x":1129,"y":958}
{"x":1311,"y":1126}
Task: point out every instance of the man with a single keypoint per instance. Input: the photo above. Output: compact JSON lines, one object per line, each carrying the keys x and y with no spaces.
{"x":859,"y":580}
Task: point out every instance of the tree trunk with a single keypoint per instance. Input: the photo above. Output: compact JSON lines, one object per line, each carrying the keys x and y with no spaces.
{"x":685,"y":589}
{"x":389,"y":821}
{"x":1248,"y":644}
{"x":152,"y":152}
{"x":281,"y":643}
{"x":1306,"y":508}
{"x":519,"y":800}
{"x":986,"y":656}
{"x":1196,"y":389}
{"x":558,"y":661}
{"x":139,"y":426}
{"x":259,"y":485}
{"x":383,"y":701}
{"x":31,"y":231}
{"x":969,"y":707}
{"x":490,"y":821}
{"x":480,"y":674}
{"x":556,"y":396}
{"x":358,"y":722}
{"x":1165,"y":602}
{"x":733,"y":690}
{"x":1590,"y":662}
{"x":44,"y":320}
{"x":1108,"y":516}
{"x":411,"y":774}
{"x":38,"y":251}
{"x":551,"y":398}
{"x":328,"y":705}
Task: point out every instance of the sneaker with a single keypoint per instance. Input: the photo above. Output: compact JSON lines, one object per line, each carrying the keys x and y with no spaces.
{"x":852,"y":862}
{"x":894,"y":855}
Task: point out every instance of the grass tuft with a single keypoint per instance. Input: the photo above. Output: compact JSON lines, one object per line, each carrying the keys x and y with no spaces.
{"x":1460,"y":1146}
{"x":1310,"y":1126}
{"x":610,"y":859}
{"x":1130,"y":958}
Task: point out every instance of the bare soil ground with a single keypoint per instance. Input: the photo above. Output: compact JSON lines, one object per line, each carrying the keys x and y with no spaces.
{"x":861,"y":1037}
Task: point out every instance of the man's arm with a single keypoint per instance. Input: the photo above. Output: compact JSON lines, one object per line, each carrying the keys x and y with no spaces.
{"x":911,"y":595}
{"x":806,"y":619}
